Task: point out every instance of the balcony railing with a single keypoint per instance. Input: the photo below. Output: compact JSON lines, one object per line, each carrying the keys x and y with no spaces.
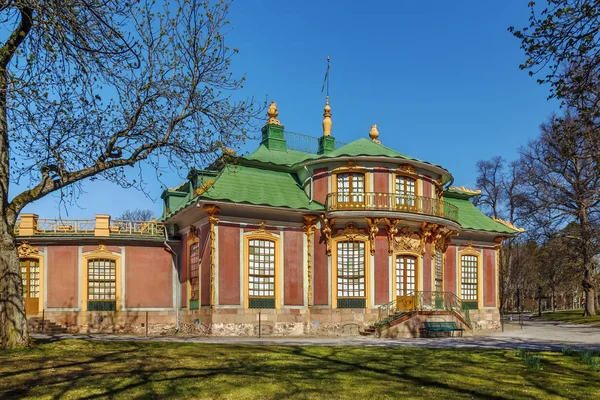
{"x":31,"y":225}
{"x":370,"y":201}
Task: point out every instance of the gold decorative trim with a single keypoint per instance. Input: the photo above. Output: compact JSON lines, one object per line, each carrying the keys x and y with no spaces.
{"x":465,"y":190}
{"x":100,"y":251}
{"x":374,"y":134}
{"x":428,"y":230}
{"x":327,"y":232}
{"x":509,"y":224}
{"x":407,"y":169}
{"x":498,"y":240}
{"x":26,"y":250}
{"x":309,"y":227}
{"x":407,"y":242}
{"x":351,"y":232}
{"x":272,"y":113}
{"x":212,"y":210}
{"x":392,"y":231}
{"x":373,"y":231}
{"x":205,"y":187}
{"x":445,"y":239}
{"x":262,"y":227}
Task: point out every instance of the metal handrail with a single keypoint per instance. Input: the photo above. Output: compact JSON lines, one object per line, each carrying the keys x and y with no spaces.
{"x":424,"y":300}
{"x":136,"y":228}
{"x":55,"y":226}
{"x":376,"y":201}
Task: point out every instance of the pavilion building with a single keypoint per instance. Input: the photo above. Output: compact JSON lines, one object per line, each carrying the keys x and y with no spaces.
{"x":334,"y":240}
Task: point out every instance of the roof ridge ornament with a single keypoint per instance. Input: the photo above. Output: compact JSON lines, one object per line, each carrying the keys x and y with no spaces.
{"x":327,"y":118}
{"x":272,"y":112}
{"x":465,"y":190}
{"x":374,"y":134}
{"x":509,"y":224}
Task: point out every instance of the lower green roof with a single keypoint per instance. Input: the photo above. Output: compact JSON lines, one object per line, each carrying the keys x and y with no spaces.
{"x":469,"y":217}
{"x":242,"y":184}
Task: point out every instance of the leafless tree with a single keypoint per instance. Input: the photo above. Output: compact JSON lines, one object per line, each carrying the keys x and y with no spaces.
{"x":561,"y":183}
{"x":137,"y":215}
{"x":93,"y":87}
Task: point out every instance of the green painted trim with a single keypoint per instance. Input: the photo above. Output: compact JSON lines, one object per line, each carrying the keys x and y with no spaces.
{"x":272,"y":137}
{"x":326,"y":144}
{"x":258,"y":302}
{"x":352,"y":303}
{"x":470,"y":305}
{"x":194,"y":305}
{"x":101,"y":305}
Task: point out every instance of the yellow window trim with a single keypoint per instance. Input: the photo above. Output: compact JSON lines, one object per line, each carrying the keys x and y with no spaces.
{"x":264,"y":235}
{"x":192,"y":238}
{"x":351,"y":168}
{"x":418,"y":270}
{"x":470,"y":251}
{"x":101,"y":253}
{"x":406,"y":175}
{"x":334,"y":267}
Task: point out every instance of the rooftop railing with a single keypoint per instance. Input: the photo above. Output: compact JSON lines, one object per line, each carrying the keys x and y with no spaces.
{"x":31,"y":225}
{"x":371,"y":201}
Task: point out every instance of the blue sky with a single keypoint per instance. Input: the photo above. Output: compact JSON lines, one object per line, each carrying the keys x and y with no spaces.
{"x":440,"y":79}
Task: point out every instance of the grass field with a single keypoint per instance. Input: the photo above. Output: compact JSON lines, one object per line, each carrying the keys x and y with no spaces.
{"x":571,"y":316}
{"x":82,"y":369}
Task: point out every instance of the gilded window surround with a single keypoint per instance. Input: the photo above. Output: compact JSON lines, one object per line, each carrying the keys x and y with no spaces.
{"x":104,"y":254}
{"x":262,"y":234}
{"x":418,"y":270}
{"x":353,"y":234}
{"x":407,"y":171}
{"x":27,"y":252}
{"x":471,"y":251}
{"x":351,"y":168}
{"x":192,"y":238}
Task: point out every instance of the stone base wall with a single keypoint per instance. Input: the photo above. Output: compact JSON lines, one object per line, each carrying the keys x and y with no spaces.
{"x":240,"y":322}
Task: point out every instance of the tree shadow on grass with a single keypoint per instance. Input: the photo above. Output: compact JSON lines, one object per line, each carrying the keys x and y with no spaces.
{"x":141,"y":369}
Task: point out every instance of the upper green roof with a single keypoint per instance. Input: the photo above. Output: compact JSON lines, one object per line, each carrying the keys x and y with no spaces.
{"x":279,"y":157}
{"x":242,"y":184}
{"x":469,"y":217}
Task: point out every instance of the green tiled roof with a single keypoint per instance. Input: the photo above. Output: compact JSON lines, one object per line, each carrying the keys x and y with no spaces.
{"x":366,"y":147}
{"x":257,"y":186}
{"x":278,"y":157}
{"x":469,"y":217}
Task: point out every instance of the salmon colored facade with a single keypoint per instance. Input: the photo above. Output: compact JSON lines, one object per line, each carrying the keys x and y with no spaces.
{"x":335,"y":240}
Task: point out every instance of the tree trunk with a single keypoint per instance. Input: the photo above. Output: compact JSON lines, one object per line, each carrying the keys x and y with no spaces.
{"x":13,"y":324}
{"x":589,"y":293}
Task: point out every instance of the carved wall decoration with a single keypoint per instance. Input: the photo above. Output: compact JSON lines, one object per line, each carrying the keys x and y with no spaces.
{"x":373,"y":230}
{"x":26,"y":250}
{"x":428,"y":230}
{"x":351,"y":231}
{"x":327,"y":231}
{"x":100,"y":251}
{"x":309,"y":227}
{"x":445,"y":239}
{"x":392,"y":231}
{"x":408,"y":241}
{"x":407,"y":169}
{"x":498,"y":240}
{"x":212,"y":210}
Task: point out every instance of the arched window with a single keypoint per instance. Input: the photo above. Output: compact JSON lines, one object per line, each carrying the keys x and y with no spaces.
{"x":261,"y":273}
{"x":469,"y":277}
{"x":351,"y":189}
{"x":351,"y":274}
{"x":405,"y":191}
{"x":102,"y":285}
{"x":30,"y":272}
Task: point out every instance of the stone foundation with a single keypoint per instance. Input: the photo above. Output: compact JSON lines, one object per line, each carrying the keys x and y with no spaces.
{"x":240,"y":322}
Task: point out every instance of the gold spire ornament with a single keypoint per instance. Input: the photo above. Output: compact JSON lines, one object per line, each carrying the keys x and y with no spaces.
{"x":327,"y":118}
{"x":273,"y":113}
{"x":374,"y":134}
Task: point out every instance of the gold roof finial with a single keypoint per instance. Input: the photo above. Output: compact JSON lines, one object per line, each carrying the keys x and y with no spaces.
{"x":327,"y":118}
{"x":374,"y":134}
{"x":273,"y":113}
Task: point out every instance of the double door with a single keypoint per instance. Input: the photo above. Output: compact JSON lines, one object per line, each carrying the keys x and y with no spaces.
{"x":406,"y":279}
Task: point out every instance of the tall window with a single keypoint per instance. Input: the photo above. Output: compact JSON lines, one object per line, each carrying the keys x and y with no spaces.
{"x":439,"y":271}
{"x":469,"y":277}
{"x":351,"y":188}
{"x":102,"y":285}
{"x":405,"y":275}
{"x":261,"y":265}
{"x":405,"y":191}
{"x":351,"y":269}
{"x":195,"y":272}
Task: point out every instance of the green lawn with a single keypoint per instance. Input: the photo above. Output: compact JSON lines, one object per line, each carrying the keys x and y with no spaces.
{"x":572,"y":316}
{"x":76,"y":369}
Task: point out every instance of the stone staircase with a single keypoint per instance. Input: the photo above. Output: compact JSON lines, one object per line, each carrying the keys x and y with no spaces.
{"x":35,"y":325}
